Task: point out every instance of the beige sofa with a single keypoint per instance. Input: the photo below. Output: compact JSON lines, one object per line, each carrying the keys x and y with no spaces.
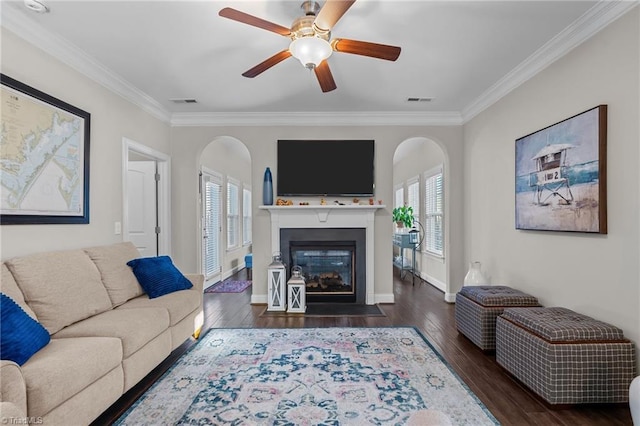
{"x":106,"y":333}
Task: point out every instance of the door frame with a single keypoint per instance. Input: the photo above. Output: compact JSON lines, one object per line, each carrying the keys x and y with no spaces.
{"x":163,"y":165}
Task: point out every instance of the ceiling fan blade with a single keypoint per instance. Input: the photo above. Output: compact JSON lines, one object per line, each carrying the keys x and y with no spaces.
{"x":331,"y":13}
{"x":325,"y":78}
{"x":245,"y":18}
{"x":365,"y":48}
{"x":265,"y":65}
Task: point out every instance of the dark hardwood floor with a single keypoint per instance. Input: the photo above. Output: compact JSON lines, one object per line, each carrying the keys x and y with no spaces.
{"x":421,"y":306}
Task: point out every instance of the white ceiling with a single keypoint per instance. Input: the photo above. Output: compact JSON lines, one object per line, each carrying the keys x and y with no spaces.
{"x":464,"y":54}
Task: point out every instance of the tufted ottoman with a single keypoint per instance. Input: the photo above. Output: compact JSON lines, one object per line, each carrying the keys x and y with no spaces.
{"x":565,"y":357}
{"x":477,"y":308}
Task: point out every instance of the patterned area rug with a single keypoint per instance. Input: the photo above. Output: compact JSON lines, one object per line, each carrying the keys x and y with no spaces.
{"x":229,"y":286}
{"x":320,"y":376}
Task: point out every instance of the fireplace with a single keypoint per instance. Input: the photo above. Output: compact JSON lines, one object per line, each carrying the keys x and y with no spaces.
{"x":332,"y":262}
{"x":331,"y":217}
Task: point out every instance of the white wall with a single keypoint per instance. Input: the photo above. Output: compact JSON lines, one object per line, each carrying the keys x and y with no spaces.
{"x":597,"y":275}
{"x":230,"y":158}
{"x":112,"y":118}
{"x":261,"y":142}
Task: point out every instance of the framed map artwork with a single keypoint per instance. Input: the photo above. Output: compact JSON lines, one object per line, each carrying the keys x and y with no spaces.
{"x":44,"y":158}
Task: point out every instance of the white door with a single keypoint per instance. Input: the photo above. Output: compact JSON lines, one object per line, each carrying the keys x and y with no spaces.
{"x":143,"y":207}
{"x":211,"y":184}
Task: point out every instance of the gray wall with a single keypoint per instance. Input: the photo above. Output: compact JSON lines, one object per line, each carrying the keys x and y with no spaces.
{"x":594,"y":274}
{"x":261,"y":142}
{"x":112,"y":118}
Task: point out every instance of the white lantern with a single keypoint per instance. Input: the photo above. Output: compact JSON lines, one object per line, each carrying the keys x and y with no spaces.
{"x":296,"y":291}
{"x":276,"y":286}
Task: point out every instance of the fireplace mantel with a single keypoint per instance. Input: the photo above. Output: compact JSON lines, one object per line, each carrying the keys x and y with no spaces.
{"x":322,"y":212}
{"x":329,"y":216}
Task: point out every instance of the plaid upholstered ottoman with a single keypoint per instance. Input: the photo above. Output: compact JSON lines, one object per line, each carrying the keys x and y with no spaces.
{"x":477,"y":308}
{"x":565,"y":357}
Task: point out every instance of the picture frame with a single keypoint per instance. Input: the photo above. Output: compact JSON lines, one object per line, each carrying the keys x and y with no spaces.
{"x":561,"y":175}
{"x":44,"y":158}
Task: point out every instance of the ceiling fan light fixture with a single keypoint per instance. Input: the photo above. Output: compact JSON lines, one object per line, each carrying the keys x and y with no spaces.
{"x":310,"y":51}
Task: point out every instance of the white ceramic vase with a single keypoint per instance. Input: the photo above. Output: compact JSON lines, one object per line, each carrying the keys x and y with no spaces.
{"x":634,"y":400}
{"x":474,"y":275}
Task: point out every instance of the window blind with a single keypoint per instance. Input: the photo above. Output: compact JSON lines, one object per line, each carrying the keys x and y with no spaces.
{"x":232,"y":214}
{"x":413,"y":196}
{"x":434,"y":204}
{"x":211,"y":224}
{"x":246,"y":216}
{"x":398,"y":200}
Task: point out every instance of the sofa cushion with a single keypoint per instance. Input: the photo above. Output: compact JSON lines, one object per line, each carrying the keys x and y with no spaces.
{"x":158,"y":276}
{"x":117,"y":277}
{"x":65,"y":367}
{"x":11,"y":289}
{"x":61,"y":287}
{"x":20,"y":335}
{"x":179,"y":304}
{"x":135,"y":327}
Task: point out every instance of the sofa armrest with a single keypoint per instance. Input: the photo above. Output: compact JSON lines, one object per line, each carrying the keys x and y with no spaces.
{"x":197,"y":280}
{"x":13,"y":388}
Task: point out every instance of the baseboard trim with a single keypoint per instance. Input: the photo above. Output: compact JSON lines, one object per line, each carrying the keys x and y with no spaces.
{"x":259,"y":299}
{"x":450,"y":297}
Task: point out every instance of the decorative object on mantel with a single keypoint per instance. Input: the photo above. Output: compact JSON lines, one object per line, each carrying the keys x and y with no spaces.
{"x":283,"y":202}
{"x":276,"y":286}
{"x":403,"y":216}
{"x":296,"y":291}
{"x":267,"y":188}
{"x":474,"y":275}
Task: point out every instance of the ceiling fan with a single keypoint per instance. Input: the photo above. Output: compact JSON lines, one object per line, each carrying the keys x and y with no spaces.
{"x":311,"y":41}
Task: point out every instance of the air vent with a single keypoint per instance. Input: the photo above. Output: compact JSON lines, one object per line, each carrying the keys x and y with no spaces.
{"x":184,"y":101}
{"x":419,"y":99}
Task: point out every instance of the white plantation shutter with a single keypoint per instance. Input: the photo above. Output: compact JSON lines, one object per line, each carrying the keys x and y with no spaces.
{"x":398,"y":200}
{"x":212,"y":188}
{"x":246,"y":216}
{"x":233,"y":218}
{"x":413,"y":196}
{"x":434,"y":206}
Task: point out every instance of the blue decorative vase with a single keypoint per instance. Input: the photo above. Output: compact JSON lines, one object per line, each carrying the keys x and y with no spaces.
{"x":267,"y":188}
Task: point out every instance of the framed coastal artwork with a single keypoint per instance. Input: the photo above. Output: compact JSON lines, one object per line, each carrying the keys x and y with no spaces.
{"x":44,"y":153}
{"x":561,"y":175}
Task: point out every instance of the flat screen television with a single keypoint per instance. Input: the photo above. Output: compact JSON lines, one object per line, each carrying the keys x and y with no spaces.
{"x":326,"y":168}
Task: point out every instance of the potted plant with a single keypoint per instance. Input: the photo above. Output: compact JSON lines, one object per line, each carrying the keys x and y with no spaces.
{"x":403,"y":216}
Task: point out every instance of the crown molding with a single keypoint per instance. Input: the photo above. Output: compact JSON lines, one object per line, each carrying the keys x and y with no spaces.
{"x":591,"y":22}
{"x":79,"y":60}
{"x":340,"y":118}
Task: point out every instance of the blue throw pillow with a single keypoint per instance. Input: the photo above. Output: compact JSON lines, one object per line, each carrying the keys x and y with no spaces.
{"x":158,"y":276}
{"x":20,"y":335}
